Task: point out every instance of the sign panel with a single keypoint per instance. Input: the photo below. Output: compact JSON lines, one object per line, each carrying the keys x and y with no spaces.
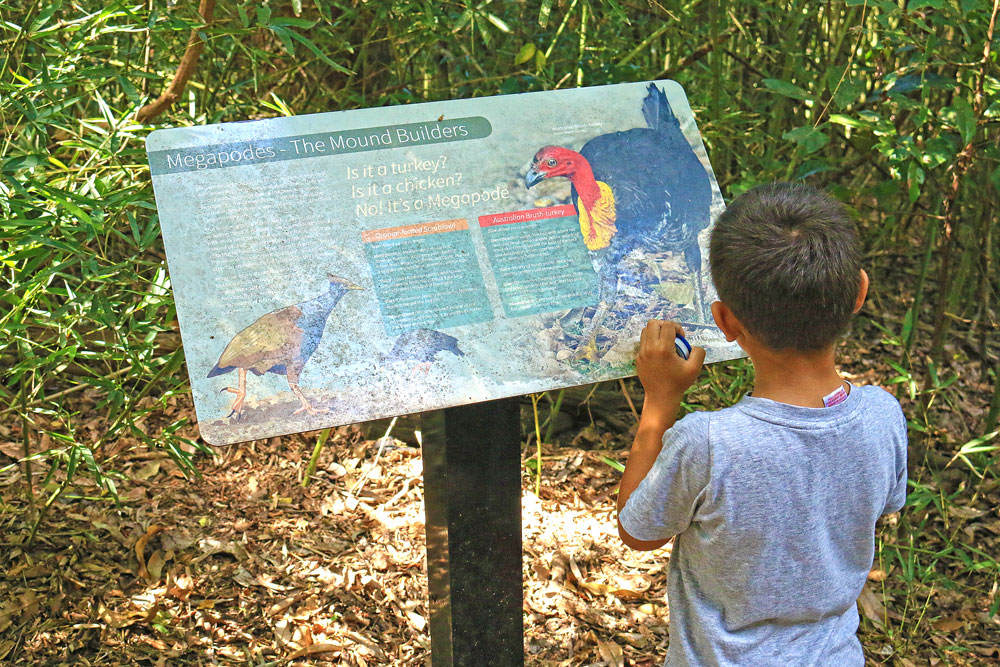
{"x":341,"y":267}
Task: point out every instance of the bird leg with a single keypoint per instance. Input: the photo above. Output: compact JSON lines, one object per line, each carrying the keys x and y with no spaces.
{"x":587,"y":349}
{"x":699,"y":298}
{"x":306,"y":407}
{"x":241,"y":394}
{"x":293,"y":383}
{"x":692,"y":258}
{"x":607,"y":295}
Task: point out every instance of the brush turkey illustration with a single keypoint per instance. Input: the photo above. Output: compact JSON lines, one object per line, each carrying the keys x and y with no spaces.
{"x":643,"y":188}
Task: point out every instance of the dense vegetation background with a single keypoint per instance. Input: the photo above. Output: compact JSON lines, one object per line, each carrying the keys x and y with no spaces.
{"x":891,"y":105}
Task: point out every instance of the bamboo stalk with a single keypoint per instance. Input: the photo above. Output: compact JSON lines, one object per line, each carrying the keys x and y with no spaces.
{"x":314,"y":459}
{"x":628,"y":398}
{"x":538,"y":446}
{"x":918,"y":294}
{"x":562,"y":26}
{"x":553,"y":413}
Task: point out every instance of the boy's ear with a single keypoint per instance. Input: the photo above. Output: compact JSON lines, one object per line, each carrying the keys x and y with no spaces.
{"x":726,"y":320}
{"x":862,"y":292}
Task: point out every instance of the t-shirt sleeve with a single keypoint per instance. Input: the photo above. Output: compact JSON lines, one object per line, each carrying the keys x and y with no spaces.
{"x":665,"y":501}
{"x":897,"y":496}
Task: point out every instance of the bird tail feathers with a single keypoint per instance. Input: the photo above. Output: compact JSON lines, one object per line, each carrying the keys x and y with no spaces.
{"x":657,"y":112}
{"x":216,"y":370}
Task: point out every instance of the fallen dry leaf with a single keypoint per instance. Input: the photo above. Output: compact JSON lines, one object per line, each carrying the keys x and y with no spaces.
{"x":871,"y":606}
{"x":418,"y":621}
{"x":594,"y":588}
{"x":611,"y":653}
{"x":315,"y":649}
{"x":140,"y":548}
{"x":949,"y":624}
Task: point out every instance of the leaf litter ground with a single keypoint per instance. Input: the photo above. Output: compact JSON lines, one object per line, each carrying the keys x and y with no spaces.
{"x":244,"y":566}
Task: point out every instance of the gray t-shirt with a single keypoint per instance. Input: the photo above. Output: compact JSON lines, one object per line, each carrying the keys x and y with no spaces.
{"x":774,"y":509}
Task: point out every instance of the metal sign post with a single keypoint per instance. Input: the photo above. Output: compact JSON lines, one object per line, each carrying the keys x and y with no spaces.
{"x":472,"y":496}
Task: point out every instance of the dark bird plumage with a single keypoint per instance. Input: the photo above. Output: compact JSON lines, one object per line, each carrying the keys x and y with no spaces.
{"x":422,"y":346}
{"x":281,"y":342}
{"x":641,"y":188}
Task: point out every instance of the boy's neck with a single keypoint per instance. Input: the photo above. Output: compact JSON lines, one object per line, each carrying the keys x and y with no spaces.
{"x":796,"y":378}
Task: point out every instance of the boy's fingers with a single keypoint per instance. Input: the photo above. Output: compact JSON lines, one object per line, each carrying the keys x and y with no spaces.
{"x":648,"y":333}
{"x":697,"y":355}
{"x":653,"y":331}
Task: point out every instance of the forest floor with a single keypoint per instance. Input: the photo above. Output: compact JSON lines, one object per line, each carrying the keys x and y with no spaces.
{"x":245,"y":566}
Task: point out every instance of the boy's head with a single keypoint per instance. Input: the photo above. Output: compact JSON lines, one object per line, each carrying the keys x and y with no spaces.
{"x":786,"y":261}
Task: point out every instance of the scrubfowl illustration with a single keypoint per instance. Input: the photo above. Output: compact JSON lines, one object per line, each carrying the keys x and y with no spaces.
{"x":281,"y":342}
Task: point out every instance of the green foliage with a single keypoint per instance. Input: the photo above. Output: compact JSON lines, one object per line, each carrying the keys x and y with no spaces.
{"x":891,"y":105}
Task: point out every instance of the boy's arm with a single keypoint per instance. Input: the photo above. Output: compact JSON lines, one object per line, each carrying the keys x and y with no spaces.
{"x":665,"y":376}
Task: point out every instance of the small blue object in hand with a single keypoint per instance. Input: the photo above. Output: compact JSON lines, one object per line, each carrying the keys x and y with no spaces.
{"x":683,"y":347}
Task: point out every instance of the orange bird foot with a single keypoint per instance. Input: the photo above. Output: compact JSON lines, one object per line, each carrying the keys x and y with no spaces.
{"x":310,"y":410}
{"x":237,"y":407}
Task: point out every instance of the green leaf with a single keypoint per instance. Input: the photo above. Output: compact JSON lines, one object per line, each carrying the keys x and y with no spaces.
{"x":544,"y":11}
{"x":848,"y":92}
{"x":285,"y":35}
{"x":965,"y":119}
{"x":525,"y":53}
{"x":938,"y":151}
{"x":614,"y":464}
{"x":841,"y":119}
{"x":809,"y":138}
{"x":263,"y":15}
{"x":315,"y":49}
{"x":617,"y":10}
{"x":462,"y":20}
{"x":787,"y":89}
{"x":908,"y":321}
{"x":498,"y":22}
{"x":22,"y":162}
{"x":130,"y":91}
{"x":286,"y":21}
{"x":995,"y":179}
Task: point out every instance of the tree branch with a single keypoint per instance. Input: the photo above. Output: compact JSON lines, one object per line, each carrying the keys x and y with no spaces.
{"x":184,"y":71}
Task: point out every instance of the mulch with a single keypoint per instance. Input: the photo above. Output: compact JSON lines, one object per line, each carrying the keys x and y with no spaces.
{"x":245,"y":566}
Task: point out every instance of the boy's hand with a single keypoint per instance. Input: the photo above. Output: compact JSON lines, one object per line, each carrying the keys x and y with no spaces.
{"x":664,"y":374}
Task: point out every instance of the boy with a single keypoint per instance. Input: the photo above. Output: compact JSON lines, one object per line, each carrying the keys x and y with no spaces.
{"x":774,"y":500}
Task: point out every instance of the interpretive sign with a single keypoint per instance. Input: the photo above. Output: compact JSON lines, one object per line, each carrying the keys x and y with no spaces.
{"x":342,"y":267}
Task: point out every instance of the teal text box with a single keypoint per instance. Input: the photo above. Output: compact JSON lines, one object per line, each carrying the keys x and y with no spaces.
{"x":431,"y":281}
{"x":541,"y":266}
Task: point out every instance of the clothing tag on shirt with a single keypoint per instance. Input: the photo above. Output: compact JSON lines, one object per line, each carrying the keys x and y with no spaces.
{"x":836,"y":397}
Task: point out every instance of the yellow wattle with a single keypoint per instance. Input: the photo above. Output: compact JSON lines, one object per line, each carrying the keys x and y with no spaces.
{"x":597,"y":224}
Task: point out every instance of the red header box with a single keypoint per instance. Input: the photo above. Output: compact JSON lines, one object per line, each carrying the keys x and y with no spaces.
{"x":529,"y":215}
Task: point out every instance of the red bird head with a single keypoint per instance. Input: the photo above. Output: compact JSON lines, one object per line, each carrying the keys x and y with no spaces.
{"x":553,"y":161}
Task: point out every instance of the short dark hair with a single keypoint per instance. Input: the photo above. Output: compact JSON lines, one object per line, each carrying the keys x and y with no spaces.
{"x":786,"y":259}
